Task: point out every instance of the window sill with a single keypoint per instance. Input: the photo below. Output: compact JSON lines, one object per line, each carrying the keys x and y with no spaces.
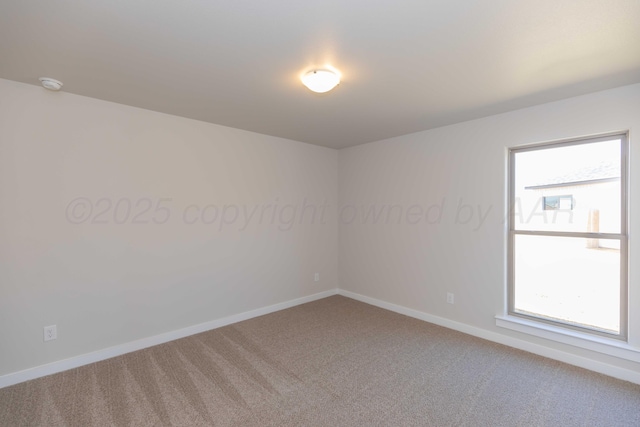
{"x":586,"y":341}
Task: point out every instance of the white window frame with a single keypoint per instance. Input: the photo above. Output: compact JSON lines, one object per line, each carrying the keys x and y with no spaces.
{"x":622,"y":236}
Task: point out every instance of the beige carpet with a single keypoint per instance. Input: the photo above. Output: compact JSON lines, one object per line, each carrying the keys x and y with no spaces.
{"x":333,"y":362}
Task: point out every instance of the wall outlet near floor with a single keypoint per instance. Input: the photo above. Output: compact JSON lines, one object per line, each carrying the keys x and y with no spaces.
{"x":316,"y":277}
{"x":50,"y":333}
{"x":450,"y":298}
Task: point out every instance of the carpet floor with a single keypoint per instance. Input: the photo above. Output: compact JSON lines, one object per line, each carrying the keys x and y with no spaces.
{"x":332,"y":362}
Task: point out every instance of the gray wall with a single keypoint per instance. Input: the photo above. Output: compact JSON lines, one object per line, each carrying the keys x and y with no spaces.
{"x":108,"y":283}
{"x":460,"y":171}
{"x":440,"y":196}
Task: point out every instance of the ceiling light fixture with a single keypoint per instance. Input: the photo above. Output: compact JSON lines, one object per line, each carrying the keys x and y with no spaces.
{"x":321,"y":81}
{"x":51,"y":84}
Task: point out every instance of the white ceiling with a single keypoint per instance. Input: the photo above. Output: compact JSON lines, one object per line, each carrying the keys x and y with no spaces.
{"x":407,"y":65}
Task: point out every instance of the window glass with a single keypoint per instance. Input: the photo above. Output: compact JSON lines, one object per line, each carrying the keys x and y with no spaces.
{"x":574,"y":280}
{"x":570,"y":188}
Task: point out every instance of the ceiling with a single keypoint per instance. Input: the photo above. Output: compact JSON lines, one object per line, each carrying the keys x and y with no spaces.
{"x":406,"y":65}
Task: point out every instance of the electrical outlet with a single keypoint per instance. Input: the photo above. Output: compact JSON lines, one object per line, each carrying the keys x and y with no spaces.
{"x":450,"y":298}
{"x":316,"y":277}
{"x":50,"y":333}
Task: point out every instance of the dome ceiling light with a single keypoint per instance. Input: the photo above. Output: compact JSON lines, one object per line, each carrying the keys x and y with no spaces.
{"x":321,"y":81}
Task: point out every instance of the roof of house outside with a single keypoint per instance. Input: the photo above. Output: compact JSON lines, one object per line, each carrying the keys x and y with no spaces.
{"x":604,"y":171}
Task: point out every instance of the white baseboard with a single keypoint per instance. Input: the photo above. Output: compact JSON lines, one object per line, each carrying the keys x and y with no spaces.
{"x":107,"y":353}
{"x":551,"y":353}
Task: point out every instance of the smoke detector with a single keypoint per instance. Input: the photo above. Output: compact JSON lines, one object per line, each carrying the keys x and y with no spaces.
{"x":51,"y":84}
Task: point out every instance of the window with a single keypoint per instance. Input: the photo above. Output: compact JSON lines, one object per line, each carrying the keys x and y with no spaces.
{"x":554,"y":203}
{"x":568,"y":234}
